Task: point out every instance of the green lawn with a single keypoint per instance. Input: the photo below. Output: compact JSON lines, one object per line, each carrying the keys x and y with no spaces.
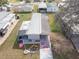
{"x":25,"y":16}
{"x":35,"y":8}
{"x":55,"y":27}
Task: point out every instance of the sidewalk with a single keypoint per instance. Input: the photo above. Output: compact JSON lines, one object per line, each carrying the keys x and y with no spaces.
{"x":3,"y":39}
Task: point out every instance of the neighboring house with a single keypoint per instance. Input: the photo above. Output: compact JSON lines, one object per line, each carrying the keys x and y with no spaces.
{"x":42,"y":7}
{"x":22,"y":8}
{"x":48,"y":7}
{"x":6,"y":20}
{"x":35,"y":1}
{"x":52,"y":7}
{"x":36,"y":30}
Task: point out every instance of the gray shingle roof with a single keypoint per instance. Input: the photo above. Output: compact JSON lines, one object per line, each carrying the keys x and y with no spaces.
{"x":39,"y":24}
{"x":44,"y":24}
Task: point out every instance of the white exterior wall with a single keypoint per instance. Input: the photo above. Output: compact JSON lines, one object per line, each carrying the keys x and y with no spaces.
{"x":35,"y":37}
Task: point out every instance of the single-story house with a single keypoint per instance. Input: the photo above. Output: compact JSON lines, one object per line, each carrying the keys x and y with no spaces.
{"x":7,"y":19}
{"x":35,"y":30}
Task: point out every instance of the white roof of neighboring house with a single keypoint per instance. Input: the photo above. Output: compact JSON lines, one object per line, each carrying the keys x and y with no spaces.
{"x":3,"y":14}
{"x":42,"y":5}
{"x":25,"y":25}
{"x":24,"y":7}
{"x":46,"y":53}
{"x":6,"y":18}
{"x":2,"y":25}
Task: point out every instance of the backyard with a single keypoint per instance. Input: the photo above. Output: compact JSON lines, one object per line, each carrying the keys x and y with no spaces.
{"x":62,"y":47}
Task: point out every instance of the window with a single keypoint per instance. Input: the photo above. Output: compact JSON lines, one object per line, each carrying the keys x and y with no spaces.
{"x":43,"y":36}
{"x":37,"y":40}
{"x":20,"y":37}
{"x":25,"y":37}
{"x":30,"y":40}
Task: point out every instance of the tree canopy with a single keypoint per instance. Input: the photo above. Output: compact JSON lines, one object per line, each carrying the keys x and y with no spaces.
{"x":3,"y":2}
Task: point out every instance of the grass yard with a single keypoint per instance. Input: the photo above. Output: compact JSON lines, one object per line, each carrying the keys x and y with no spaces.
{"x":55,"y":27}
{"x":62,"y":47}
{"x":35,"y":8}
{"x":25,"y":16}
{"x":7,"y":50}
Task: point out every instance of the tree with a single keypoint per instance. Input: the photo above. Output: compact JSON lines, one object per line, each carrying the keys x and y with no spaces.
{"x":3,"y":2}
